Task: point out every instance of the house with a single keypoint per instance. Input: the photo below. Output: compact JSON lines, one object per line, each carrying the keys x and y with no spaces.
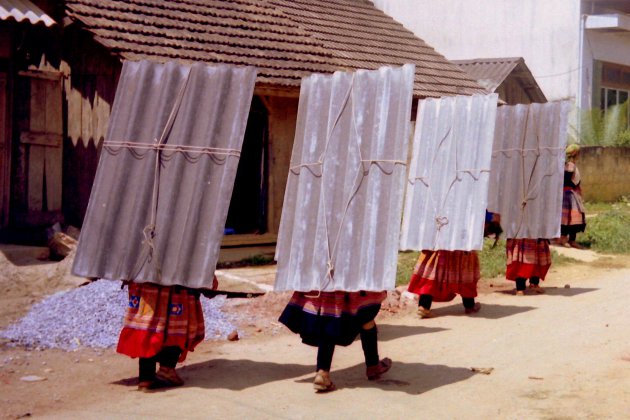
{"x":69,"y":71}
{"x":509,"y":77}
{"x":576,"y":49}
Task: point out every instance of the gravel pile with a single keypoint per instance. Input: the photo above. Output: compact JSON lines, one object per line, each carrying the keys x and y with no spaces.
{"x":91,"y":316}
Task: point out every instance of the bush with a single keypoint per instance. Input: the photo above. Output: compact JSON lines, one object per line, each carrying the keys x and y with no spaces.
{"x":492,"y":259}
{"x":599,"y":128}
{"x":406,"y":262}
{"x":608,"y":231}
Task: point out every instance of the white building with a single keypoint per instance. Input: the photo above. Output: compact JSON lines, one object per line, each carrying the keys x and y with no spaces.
{"x":576,"y":49}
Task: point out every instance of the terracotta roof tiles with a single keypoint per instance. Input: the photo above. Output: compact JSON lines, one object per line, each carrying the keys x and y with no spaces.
{"x":284,"y":39}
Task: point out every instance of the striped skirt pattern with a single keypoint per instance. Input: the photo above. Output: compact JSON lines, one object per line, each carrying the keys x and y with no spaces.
{"x":573,"y":215}
{"x":335,"y":317}
{"x":527,"y":258}
{"x":445,"y":274}
{"x":159,"y":316}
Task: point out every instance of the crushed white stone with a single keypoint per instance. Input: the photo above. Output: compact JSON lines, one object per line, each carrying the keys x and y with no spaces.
{"x":91,"y":316}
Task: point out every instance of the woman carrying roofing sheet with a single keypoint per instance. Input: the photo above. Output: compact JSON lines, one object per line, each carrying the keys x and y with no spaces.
{"x":441,"y":275}
{"x":162,"y":324}
{"x":573,"y":213}
{"x":527,"y":259}
{"x":328,"y":319}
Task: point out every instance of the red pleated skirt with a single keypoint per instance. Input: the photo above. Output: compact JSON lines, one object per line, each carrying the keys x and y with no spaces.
{"x":445,"y":274}
{"x":527,"y":258}
{"x":159,"y":316}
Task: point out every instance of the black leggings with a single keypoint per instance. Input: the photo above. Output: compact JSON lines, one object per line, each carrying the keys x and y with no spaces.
{"x":426,"y":301}
{"x":520,"y":282}
{"x":167,"y":357}
{"x":369,"y":344}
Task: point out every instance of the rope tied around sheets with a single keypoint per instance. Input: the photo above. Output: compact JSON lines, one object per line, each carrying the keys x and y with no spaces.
{"x":361,"y":171}
{"x":191,"y":153}
{"x":149,"y":252}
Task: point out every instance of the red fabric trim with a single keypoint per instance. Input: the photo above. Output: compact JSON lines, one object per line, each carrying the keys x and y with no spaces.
{"x":139,"y":343}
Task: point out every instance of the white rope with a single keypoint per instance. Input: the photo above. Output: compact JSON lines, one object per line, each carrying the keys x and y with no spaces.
{"x":148,"y":245}
{"x":117,"y":145}
{"x":331,"y":249}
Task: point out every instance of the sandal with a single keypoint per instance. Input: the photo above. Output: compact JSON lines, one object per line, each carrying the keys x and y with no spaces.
{"x":536,"y":289}
{"x":520,"y":293}
{"x":474,"y":309}
{"x":424,"y":313}
{"x":323,"y":383}
{"x":168,"y":376}
{"x":146,"y":386}
{"x":575,"y":245}
{"x":375,"y":372}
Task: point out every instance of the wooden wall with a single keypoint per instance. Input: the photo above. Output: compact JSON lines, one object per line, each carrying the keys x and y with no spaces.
{"x":282,"y":122}
{"x":512,"y":92}
{"x":89,"y":89}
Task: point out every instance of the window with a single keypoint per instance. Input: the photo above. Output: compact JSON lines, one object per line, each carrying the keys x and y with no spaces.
{"x":615,"y":87}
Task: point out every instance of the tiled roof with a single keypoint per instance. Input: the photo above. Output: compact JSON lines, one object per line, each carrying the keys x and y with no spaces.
{"x":284,"y":39}
{"x":491,"y":72}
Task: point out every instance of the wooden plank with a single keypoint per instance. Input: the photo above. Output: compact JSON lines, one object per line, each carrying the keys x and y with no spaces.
{"x":54,"y":122}
{"x":38,"y":106}
{"x":35,"y":177}
{"x":41,"y":139}
{"x":5,"y":154}
{"x":75,"y":103}
{"x":102,"y":107}
{"x":41,"y":74}
{"x":87,"y":129}
{"x":53,"y":166}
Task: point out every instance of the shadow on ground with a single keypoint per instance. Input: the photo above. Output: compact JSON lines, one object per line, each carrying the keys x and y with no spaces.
{"x":488,"y":310}
{"x":411,"y":378}
{"x":388,"y":332}
{"x":235,"y":375}
{"x":554,"y":291}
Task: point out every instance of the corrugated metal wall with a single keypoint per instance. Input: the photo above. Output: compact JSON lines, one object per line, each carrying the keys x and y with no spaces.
{"x":446,"y":194}
{"x":528,"y":168}
{"x":208,"y":109}
{"x":341,"y":216}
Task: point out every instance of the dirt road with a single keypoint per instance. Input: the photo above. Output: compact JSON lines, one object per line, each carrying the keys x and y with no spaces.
{"x":562,"y":355}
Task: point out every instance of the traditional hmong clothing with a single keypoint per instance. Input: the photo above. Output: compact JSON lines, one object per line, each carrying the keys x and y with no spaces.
{"x":445,"y":274}
{"x":160,"y":317}
{"x":331,"y":317}
{"x":573,"y":213}
{"x":527,"y":258}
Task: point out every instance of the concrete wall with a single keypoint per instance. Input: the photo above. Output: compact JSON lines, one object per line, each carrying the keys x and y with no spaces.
{"x":605,"y":172}
{"x":545,"y":33}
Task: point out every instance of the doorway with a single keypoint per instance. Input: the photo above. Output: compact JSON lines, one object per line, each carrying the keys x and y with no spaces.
{"x":248,"y":207}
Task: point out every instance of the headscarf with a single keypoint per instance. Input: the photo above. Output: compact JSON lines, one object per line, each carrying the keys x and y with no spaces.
{"x":572,"y":151}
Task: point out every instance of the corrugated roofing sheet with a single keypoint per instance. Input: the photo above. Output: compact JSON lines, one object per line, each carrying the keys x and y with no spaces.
{"x":445,"y":201}
{"x":163,"y":185}
{"x":492,"y":72}
{"x":528,"y":168}
{"x":22,"y":10}
{"x":285,"y":39}
{"x":341,"y":215}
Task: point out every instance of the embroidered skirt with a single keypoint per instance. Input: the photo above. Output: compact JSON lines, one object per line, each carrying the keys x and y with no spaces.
{"x":573,"y":216}
{"x":445,"y":274}
{"x":160,"y":316}
{"x":527,"y":258}
{"x":330,"y":317}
